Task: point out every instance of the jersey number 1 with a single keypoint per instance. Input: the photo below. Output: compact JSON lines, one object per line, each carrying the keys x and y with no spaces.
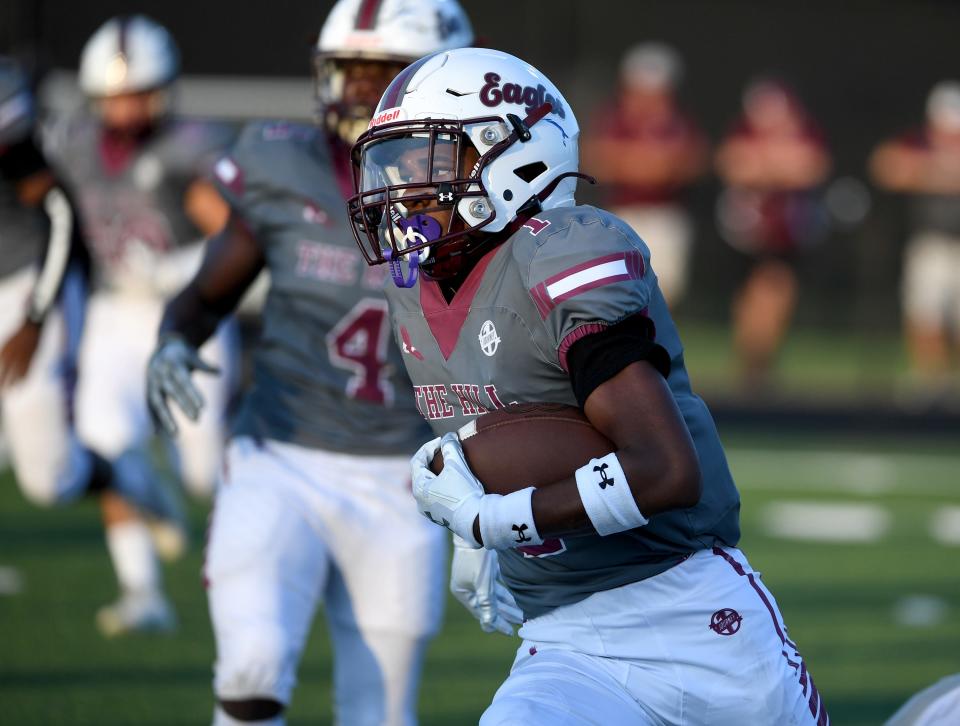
{"x":358,"y":344}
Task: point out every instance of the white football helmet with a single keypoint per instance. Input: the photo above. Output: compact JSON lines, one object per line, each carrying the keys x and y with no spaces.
{"x":469,"y":139}
{"x":394,"y":32}
{"x":128,"y":54}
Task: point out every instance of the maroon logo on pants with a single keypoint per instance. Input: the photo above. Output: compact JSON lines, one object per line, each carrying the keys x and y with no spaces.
{"x":725,"y":621}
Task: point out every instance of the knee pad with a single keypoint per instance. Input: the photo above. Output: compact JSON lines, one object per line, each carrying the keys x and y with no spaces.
{"x":262,"y":666}
{"x":249,"y":712}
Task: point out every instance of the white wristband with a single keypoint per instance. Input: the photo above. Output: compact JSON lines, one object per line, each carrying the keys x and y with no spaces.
{"x":606,"y":496}
{"x":507,"y":521}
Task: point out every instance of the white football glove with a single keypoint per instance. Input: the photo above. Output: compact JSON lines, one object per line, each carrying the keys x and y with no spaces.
{"x":451,"y":498}
{"x":168,"y":376}
{"x":475,"y":582}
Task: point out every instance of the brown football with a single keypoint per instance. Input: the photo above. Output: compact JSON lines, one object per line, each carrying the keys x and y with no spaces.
{"x":528,"y":444}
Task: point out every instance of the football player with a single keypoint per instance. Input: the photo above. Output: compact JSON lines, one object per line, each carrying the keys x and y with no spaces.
{"x":37,"y":222}
{"x":41,"y":310}
{"x":639,"y":607}
{"x":138,"y":175}
{"x":314,"y":504}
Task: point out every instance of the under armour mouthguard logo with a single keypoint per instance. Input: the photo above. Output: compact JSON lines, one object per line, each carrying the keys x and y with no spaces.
{"x":520,"y":529}
{"x":605,"y":481}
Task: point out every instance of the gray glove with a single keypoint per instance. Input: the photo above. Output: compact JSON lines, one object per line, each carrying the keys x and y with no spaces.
{"x":475,"y":582}
{"x":168,"y":376}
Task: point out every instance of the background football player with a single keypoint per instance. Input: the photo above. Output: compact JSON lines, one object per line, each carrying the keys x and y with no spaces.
{"x":315,"y":504}
{"x":37,"y":221}
{"x":639,"y":607}
{"x":137,"y":174}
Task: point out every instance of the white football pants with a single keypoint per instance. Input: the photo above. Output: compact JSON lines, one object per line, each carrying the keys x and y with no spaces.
{"x":293,"y":527}
{"x":702,"y":643}
{"x":50,"y":465}
{"x":119,"y":336}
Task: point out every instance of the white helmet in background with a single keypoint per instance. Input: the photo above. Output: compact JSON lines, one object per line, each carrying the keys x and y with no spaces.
{"x":128,"y":54}
{"x":510,"y":134}
{"x":943,"y":106}
{"x":395,"y":32}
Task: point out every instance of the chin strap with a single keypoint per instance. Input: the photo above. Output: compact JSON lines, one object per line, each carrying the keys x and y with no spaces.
{"x":542,"y":195}
{"x":396,"y":268}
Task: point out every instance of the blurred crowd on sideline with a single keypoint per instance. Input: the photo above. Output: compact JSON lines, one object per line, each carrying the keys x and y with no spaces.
{"x":774,"y":163}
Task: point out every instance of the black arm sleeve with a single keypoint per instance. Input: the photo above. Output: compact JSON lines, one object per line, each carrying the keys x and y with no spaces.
{"x":63,"y":243}
{"x":597,"y":358}
{"x":232,"y":260}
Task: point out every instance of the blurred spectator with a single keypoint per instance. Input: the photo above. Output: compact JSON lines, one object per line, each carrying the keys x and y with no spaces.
{"x":925,"y":163}
{"x":771,"y":164}
{"x":648,"y":150}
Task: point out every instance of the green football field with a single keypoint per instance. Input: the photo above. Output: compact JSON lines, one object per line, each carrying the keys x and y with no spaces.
{"x":858,"y":539}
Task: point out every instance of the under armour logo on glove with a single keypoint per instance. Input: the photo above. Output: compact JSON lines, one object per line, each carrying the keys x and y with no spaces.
{"x":520,"y":529}
{"x":441,"y":522}
{"x":605,"y":481}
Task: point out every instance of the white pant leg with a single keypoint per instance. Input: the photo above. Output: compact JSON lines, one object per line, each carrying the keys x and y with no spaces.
{"x":265,"y":568}
{"x":112,"y":415}
{"x":199,"y":445}
{"x":564,"y":688}
{"x":376,"y":672}
{"x":385,"y":596}
{"x":284,"y":514}
{"x":50,"y":465}
{"x":703,"y":642}
{"x":931,"y":280}
{"x":111,"y":410}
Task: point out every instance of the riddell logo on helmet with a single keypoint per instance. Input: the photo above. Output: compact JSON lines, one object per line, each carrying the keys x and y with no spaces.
{"x":385,"y":117}
{"x":492,"y":94}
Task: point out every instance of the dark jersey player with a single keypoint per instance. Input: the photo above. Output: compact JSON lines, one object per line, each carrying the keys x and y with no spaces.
{"x":306,"y":514}
{"x":639,"y":608}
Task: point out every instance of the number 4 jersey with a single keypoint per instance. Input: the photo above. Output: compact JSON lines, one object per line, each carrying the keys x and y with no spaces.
{"x":326,"y":373}
{"x":567,"y":273}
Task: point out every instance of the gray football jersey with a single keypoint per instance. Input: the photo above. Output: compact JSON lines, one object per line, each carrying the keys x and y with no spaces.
{"x":326,"y":372}
{"x":504,"y":338}
{"x":22,"y":231}
{"x":135,"y":199}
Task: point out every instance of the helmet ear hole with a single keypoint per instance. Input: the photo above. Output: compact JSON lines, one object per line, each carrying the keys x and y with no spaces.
{"x":529,"y":172}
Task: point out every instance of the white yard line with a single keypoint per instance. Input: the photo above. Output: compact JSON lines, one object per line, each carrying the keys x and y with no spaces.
{"x":945,"y":526}
{"x":826,"y":521}
{"x":857,"y":472}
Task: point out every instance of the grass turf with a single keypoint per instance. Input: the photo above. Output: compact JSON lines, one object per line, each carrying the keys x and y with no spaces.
{"x":838,"y":599}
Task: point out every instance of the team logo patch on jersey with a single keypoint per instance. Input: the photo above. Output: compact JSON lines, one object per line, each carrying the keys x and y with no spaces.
{"x":489,"y":340}
{"x":725,"y":621}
